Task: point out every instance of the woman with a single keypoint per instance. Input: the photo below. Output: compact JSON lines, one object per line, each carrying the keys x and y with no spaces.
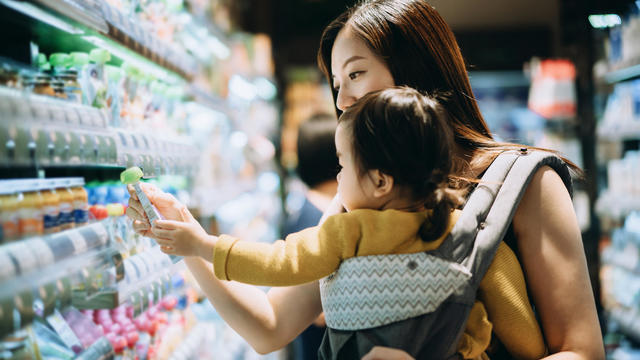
{"x":379,"y":44}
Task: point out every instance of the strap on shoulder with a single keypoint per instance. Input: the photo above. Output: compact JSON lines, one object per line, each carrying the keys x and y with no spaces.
{"x":492,"y":205}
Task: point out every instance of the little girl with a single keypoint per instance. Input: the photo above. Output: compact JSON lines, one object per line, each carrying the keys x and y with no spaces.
{"x":395,"y":152}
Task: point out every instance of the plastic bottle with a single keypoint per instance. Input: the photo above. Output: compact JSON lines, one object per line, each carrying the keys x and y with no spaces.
{"x":114,"y":96}
{"x":66,"y":219}
{"x":73,"y":88}
{"x":51,"y":208}
{"x":8,"y":212}
{"x":30,"y":207}
{"x":59,"y":63}
{"x":80,"y":201}
{"x":99,"y":58}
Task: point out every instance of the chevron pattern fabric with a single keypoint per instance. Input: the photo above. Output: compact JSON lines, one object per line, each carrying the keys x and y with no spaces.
{"x":371,"y":291}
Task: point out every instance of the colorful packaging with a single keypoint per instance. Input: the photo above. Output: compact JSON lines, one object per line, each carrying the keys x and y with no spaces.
{"x":51,"y":209}
{"x":80,"y":201}
{"x":114,"y":95}
{"x":30,"y":207}
{"x":9,"y":219}
{"x":66,"y":218}
{"x":98,"y":58}
{"x":59,"y":63}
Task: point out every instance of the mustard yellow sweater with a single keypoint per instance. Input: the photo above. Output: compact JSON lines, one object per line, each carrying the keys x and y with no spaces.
{"x":316,"y":252}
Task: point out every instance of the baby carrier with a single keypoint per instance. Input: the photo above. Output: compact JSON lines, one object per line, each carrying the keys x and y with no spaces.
{"x":420,"y":302}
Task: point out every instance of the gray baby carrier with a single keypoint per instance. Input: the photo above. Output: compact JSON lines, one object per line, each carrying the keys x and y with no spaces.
{"x":420,"y":302}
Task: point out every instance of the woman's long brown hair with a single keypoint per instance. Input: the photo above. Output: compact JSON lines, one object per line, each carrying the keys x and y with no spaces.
{"x":421,"y":51}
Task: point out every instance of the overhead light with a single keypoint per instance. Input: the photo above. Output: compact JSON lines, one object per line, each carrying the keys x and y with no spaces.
{"x":604,"y":21}
{"x":41,"y":15}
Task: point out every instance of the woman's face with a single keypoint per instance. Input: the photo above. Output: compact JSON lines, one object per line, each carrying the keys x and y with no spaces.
{"x":356,"y":69}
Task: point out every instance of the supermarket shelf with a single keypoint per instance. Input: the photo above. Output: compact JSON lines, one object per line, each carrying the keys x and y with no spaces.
{"x":38,"y":255}
{"x":70,"y":8}
{"x":80,"y":11}
{"x":37,"y":274}
{"x":616,"y":206}
{"x":42,"y":131}
{"x":93,"y":19}
{"x":146,"y":276}
{"x":628,"y":321}
{"x":131,"y":34}
{"x":196,"y":336}
{"x":619,"y":133}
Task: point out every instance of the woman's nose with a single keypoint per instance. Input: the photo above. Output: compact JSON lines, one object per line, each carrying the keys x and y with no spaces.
{"x":344,"y":99}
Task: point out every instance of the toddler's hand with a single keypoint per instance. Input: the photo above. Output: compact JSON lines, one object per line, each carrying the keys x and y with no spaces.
{"x":186,"y":238}
{"x":168,"y":206}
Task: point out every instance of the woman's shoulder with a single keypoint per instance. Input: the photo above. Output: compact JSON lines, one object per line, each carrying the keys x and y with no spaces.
{"x":546,"y":200}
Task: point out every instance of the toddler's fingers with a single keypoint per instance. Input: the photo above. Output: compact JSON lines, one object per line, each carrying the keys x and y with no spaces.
{"x":141,"y":227}
{"x":132,"y":192}
{"x":163,"y":233}
{"x":186,"y":215}
{"x":136,"y":214}
{"x":164,"y":242}
{"x":168,"y":224}
{"x":135,"y":204}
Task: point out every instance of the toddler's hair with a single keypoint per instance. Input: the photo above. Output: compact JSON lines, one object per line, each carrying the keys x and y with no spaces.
{"x":405,"y":134}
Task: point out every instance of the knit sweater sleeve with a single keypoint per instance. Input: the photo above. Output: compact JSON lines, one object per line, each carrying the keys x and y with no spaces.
{"x":305,"y":256}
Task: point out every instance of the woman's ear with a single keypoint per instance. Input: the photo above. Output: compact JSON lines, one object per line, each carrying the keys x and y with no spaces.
{"x":382,"y":183}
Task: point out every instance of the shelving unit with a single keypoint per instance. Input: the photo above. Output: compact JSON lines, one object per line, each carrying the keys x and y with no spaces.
{"x":103,"y":267}
{"x":618,"y":202}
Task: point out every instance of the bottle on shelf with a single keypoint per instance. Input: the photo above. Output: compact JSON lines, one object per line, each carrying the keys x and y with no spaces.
{"x":80,"y":201}
{"x":66,"y":219}
{"x":31,"y":207}
{"x":9,"y":217}
{"x":51,"y":209}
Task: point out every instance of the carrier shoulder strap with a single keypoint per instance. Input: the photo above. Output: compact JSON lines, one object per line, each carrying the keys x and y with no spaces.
{"x":487,"y":214}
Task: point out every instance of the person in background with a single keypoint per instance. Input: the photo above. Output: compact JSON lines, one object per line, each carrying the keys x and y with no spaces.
{"x":317,"y":168}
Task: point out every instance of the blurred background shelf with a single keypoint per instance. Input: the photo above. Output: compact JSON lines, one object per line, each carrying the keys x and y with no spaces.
{"x":623,"y":73}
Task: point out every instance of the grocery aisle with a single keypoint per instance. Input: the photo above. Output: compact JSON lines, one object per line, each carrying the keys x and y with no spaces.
{"x":210,"y":114}
{"x":617,"y":102}
{"x":88,"y":89}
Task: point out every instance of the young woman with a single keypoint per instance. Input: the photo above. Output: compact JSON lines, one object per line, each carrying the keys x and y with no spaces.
{"x":379,"y":44}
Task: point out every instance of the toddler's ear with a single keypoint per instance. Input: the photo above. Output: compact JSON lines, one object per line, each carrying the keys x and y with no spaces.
{"x":383,"y":183}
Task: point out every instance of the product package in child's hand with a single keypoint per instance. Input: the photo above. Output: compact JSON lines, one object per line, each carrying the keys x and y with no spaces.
{"x":132,"y":176}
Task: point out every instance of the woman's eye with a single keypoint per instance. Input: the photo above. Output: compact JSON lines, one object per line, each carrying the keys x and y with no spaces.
{"x":355,"y":74}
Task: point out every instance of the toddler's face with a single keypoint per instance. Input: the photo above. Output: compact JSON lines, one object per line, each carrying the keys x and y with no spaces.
{"x":354,"y":190}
